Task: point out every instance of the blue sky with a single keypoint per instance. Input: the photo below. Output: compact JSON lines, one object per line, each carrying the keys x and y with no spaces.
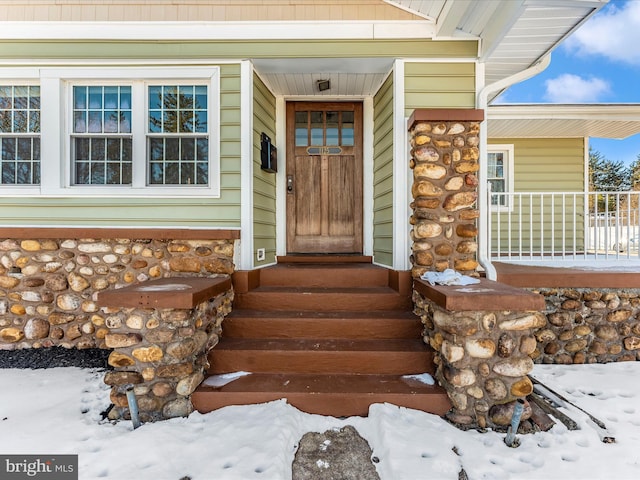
{"x":599,"y":63}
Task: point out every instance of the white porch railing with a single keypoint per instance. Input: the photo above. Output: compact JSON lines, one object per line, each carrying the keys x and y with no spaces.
{"x":564,"y":225}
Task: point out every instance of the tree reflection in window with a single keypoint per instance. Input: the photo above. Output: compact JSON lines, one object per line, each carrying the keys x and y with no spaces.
{"x":178,"y":145}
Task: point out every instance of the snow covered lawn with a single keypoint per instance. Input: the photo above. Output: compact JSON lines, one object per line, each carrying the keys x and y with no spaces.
{"x":57,"y":411}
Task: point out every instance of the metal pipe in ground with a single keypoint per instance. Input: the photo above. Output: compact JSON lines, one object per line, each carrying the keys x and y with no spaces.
{"x":511,"y":439}
{"x":133,"y":407}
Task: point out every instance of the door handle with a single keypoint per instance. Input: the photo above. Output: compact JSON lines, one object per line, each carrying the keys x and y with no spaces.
{"x":289,"y":183}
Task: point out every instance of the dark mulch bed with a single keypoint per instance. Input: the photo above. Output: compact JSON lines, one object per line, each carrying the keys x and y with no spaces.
{"x":54,"y":357}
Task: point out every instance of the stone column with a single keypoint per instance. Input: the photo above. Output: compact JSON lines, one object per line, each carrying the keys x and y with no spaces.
{"x":161,"y":351}
{"x":445,"y":154}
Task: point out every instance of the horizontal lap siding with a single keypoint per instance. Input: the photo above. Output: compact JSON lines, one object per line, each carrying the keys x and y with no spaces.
{"x":264,"y":184}
{"x":200,"y":10}
{"x":383,"y":174}
{"x":544,"y":165}
{"x":151,"y":211}
{"x":439,"y":85}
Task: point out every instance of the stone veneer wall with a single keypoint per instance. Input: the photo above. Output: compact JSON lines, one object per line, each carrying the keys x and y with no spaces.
{"x":445,"y":154}
{"x":162,"y":354}
{"x":587,"y":325}
{"x":483,"y":359}
{"x":48,"y":287}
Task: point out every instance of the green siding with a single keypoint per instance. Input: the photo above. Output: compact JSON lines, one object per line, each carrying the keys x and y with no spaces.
{"x":543,"y":165}
{"x":264,"y":184}
{"x":439,"y":85}
{"x":383,"y":174}
{"x":142,"y":212}
{"x":416,"y":48}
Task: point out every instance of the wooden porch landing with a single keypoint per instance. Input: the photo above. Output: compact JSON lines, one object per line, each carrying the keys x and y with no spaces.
{"x":530,"y":276}
{"x":330,"y":336}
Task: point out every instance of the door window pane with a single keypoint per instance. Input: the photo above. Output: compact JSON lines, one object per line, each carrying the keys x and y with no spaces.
{"x":302,"y":129}
{"x":347,"y":129}
{"x":317,"y":129}
{"x":333,"y":126}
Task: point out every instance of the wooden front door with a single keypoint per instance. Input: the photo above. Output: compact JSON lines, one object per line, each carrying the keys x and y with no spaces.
{"x":324,"y":177}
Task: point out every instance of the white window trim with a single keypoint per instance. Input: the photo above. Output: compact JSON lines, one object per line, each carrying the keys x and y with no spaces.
{"x":56,"y":122}
{"x":22,"y":76}
{"x":509,"y":182}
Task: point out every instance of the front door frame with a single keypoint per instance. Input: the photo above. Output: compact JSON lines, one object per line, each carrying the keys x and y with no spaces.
{"x":367,"y":169}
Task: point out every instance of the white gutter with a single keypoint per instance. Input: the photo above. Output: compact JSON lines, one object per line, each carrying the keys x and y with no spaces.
{"x":483,"y":205}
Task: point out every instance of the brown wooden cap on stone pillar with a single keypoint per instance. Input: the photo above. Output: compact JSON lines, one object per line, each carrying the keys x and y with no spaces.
{"x":445,"y":115}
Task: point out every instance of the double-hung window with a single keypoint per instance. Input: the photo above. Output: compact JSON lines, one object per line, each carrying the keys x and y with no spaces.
{"x":112,"y":131}
{"x":500,"y":174}
{"x":19,"y":135}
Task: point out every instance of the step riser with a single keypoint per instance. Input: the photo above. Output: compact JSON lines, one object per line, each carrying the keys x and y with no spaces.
{"x":320,"y":302}
{"x":321,"y":328}
{"x":337,"y":405}
{"x":314,"y":277}
{"x":312,"y":362}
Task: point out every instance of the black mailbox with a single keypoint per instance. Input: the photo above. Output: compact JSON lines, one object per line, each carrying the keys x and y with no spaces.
{"x":268,"y":154}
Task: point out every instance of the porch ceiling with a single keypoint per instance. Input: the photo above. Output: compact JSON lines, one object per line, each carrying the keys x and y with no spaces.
{"x":554,"y":120}
{"x":348,"y":77}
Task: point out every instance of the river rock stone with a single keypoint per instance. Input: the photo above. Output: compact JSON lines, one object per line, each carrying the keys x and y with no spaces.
{"x":459,"y":201}
{"x":68,"y":302}
{"x":534,"y":320}
{"x":506,"y":345}
{"x":11,"y":335}
{"x":528,"y":345}
{"x":148,"y":354}
{"x":187,"y":385}
{"x":619,"y":316}
{"x":120,"y":340}
{"x":175,"y":370}
{"x":632,"y":343}
{"x":36,"y":328}
{"x":522,"y":388}
{"x":180,"y":407}
{"x":514,"y":367}
{"x":122,"y":378}
{"x":459,"y":377}
{"x":429,"y":170}
{"x":451,"y":352}
{"x":425,"y":188}
{"x":426,"y":153}
{"x":502,"y":414}
{"x":119,"y":360}
{"x":183,"y":349}
{"x":427,"y":230}
{"x":480,"y":348}
{"x":495,"y":388}
{"x":8,"y":282}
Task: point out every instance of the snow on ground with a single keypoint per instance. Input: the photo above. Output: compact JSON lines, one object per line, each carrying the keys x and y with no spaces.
{"x":58,"y":411}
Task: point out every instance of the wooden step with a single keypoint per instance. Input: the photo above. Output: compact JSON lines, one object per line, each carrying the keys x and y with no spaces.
{"x":322,"y":325}
{"x":262,"y":355}
{"x":324,"y":259}
{"x":335,"y":395}
{"x":315,"y":299}
{"x":343,"y":275}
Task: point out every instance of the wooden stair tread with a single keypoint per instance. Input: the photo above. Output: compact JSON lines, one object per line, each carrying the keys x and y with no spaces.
{"x":328,"y":383}
{"x":346,"y":315}
{"x":322,"y":345}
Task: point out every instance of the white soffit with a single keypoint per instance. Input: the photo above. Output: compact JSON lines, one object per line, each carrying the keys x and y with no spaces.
{"x":515,"y":34}
{"x":563,"y":121}
{"x":348,"y":77}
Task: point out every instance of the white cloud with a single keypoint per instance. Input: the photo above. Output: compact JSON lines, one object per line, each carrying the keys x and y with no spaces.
{"x":613,"y":33}
{"x":568,"y":88}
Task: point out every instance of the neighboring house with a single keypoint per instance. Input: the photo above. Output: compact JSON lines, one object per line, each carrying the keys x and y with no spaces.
{"x":538,"y":165}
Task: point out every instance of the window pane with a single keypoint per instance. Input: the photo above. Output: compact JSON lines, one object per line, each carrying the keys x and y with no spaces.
{"x":95,"y":98}
{"x":201,"y":98}
{"x":201,"y":122}
{"x":20,"y":121}
{"x":20,"y":161}
{"x":95,"y":122}
{"x":6,"y":121}
{"x":347,"y":129}
{"x":178,"y":161}
{"x":6,"y":97}
{"x":21,"y":98}
{"x":111,"y":99}
{"x":317,"y":129}
{"x":302,"y":129}
{"x":332,"y":128}
{"x":102,"y":161}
